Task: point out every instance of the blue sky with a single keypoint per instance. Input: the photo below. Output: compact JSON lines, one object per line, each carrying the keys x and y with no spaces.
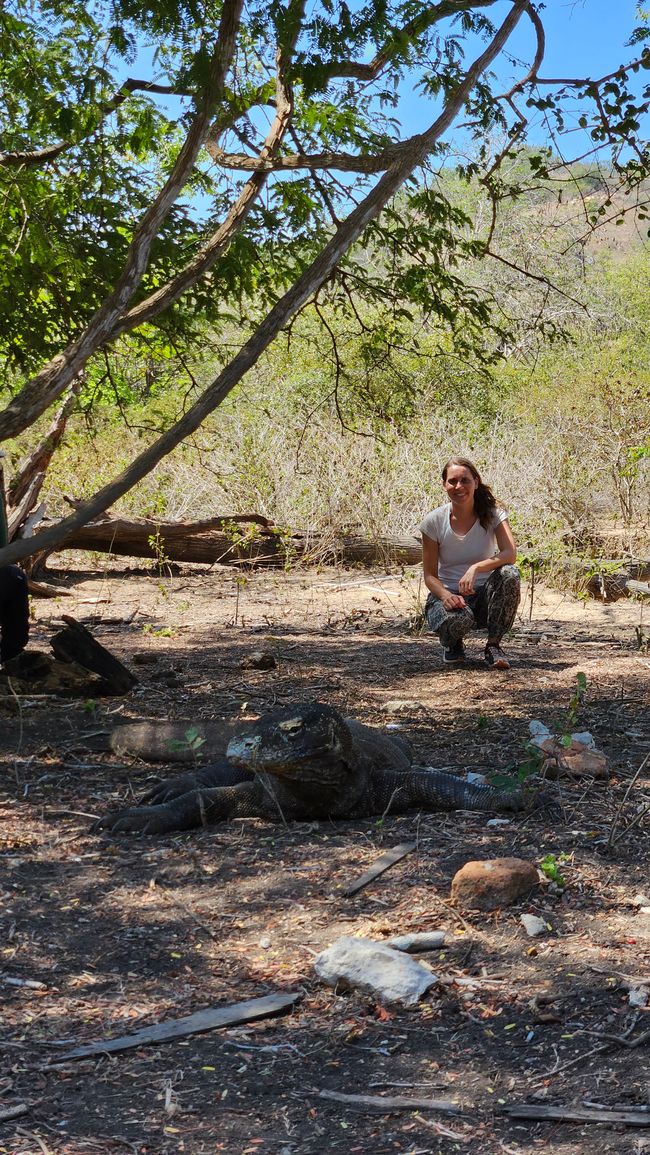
{"x":584,"y":38}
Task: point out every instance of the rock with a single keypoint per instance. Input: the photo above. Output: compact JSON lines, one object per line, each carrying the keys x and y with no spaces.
{"x":478,"y":779}
{"x":539,"y":732}
{"x":589,"y":763}
{"x":493,"y":883}
{"x":414,"y":943}
{"x":533,"y":925}
{"x":403,"y":706}
{"x":638,"y":996}
{"x":387,"y":974}
{"x":578,"y":759}
{"x":259,"y":660}
{"x":145,"y":658}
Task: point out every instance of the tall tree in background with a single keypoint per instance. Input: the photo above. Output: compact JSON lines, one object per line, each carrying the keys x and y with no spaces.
{"x":258,"y":160}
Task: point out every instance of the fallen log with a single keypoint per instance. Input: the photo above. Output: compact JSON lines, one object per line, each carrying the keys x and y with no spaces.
{"x":236,"y":540}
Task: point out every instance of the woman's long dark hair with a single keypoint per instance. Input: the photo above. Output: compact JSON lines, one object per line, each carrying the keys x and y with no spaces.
{"x":485,"y":502}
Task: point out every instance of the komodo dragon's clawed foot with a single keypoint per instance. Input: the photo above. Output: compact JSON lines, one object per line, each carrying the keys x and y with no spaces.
{"x":151,"y":819}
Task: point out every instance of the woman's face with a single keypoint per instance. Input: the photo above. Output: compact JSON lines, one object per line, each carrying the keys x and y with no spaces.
{"x":460,"y":484}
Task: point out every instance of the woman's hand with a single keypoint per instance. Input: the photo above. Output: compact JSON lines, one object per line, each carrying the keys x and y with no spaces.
{"x":453,"y":601}
{"x":467,"y":584}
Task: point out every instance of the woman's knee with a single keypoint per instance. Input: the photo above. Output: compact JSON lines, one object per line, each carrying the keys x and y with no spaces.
{"x":510,"y":576}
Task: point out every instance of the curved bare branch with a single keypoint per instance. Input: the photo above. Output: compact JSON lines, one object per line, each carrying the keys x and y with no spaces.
{"x":293,"y":162}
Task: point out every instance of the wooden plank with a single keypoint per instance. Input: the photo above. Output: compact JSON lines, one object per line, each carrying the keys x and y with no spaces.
{"x":633,"y":1117}
{"x":383,"y":863}
{"x":209,"y":1020}
{"x":76,"y":644}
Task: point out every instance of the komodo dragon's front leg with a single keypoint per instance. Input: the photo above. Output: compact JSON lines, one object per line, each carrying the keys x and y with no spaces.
{"x":220,"y":773}
{"x":196,"y":808}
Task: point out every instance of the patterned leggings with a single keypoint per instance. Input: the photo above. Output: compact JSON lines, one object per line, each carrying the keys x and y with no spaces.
{"x":492,"y":607}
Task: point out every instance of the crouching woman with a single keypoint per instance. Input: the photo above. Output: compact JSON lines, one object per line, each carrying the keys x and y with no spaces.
{"x":468,"y":557}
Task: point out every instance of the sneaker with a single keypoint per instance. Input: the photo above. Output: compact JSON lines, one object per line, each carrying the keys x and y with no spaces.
{"x":452,"y":655}
{"x":495,"y":657}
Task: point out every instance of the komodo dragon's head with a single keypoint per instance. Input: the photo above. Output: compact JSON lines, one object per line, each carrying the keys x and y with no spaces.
{"x":309,"y":745}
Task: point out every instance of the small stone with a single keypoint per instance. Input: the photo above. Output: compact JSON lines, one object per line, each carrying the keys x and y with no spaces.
{"x":259,"y":660}
{"x":265,"y":941}
{"x":403,"y":706}
{"x":415,"y":943}
{"x":386,"y":974}
{"x":638,"y":996}
{"x":145,"y":658}
{"x":477,"y":779}
{"x":493,"y":883}
{"x":533,"y":925}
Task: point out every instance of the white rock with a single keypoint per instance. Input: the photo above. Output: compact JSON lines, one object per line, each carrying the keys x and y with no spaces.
{"x":498,"y":822}
{"x":539,"y":730}
{"x":403,"y":705}
{"x":412,"y":943}
{"x":373,"y":967}
{"x":479,"y":779}
{"x":638,"y":996}
{"x":584,"y":740}
{"x":533,"y":925}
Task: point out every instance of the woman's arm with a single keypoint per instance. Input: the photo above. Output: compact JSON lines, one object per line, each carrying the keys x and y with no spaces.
{"x":430,"y":557}
{"x":507,"y":555}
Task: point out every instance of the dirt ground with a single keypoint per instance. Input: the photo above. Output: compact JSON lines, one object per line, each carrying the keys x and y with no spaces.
{"x":102,"y":936}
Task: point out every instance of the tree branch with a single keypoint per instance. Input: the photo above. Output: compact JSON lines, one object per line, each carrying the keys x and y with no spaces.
{"x":350,"y":69}
{"x":300,"y":292}
{"x":35,"y":397}
{"x":341,"y":161}
{"x":40,"y":156}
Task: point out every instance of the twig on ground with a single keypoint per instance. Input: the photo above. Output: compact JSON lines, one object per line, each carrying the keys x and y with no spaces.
{"x":393,"y":1103}
{"x":13,"y":1112}
{"x":611,"y":841}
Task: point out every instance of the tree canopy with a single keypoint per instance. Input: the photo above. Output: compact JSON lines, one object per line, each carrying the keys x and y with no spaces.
{"x":258,"y":162}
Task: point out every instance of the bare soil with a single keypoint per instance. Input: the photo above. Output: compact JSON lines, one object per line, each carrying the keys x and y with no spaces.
{"x":116,"y":933}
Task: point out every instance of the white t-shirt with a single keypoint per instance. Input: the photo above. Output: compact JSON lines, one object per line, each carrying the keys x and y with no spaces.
{"x":456,"y":552}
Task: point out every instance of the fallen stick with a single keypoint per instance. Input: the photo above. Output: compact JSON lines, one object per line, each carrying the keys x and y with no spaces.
{"x":209,"y":1020}
{"x":13,"y":981}
{"x":635,"y":1118}
{"x":13,"y":1112}
{"x":383,"y":863}
{"x":393,"y":1103}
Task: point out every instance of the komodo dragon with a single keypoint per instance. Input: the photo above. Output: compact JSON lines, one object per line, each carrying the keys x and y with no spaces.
{"x":308,"y":762}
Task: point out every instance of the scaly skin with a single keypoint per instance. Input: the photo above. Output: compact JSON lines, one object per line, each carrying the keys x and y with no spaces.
{"x":309,"y":763}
